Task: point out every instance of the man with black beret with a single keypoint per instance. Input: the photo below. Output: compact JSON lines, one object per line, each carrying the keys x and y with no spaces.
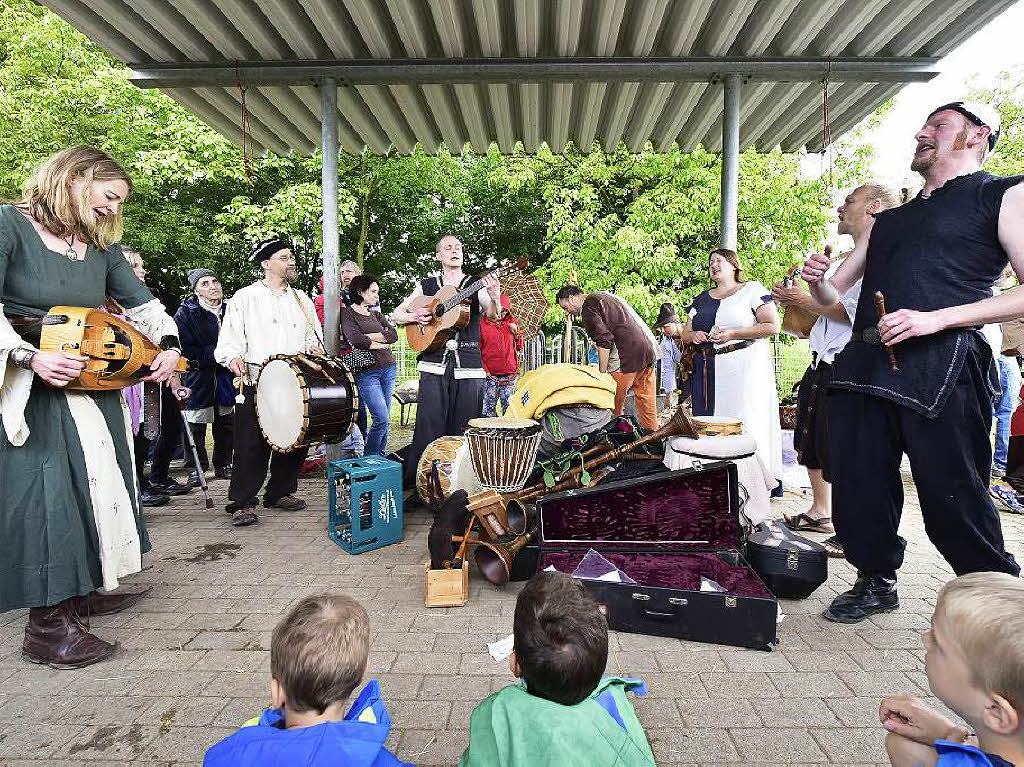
{"x":263,"y":319}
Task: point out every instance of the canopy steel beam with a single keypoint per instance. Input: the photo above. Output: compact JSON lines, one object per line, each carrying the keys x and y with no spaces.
{"x":518,"y":70}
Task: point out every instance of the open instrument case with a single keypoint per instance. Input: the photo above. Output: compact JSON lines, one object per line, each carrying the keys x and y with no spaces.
{"x":667,"y":532}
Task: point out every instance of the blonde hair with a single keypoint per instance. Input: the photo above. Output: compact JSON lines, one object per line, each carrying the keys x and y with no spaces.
{"x":890,"y":198}
{"x":983,"y":613}
{"x":47,"y":197}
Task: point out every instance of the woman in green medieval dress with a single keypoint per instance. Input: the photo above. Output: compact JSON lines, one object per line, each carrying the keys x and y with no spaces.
{"x":70,"y":520}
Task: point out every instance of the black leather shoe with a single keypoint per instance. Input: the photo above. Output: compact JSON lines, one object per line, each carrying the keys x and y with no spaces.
{"x":169,"y":486}
{"x":151,"y":498}
{"x":871,"y":594}
{"x":224,"y":473}
{"x":193,"y":479}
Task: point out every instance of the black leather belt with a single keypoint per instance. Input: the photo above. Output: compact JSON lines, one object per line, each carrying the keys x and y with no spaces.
{"x":869,"y":336}
{"x":734,"y":347}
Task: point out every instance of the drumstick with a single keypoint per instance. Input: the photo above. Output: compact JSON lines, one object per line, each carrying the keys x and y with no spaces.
{"x":461,"y":553}
{"x":880,"y":306}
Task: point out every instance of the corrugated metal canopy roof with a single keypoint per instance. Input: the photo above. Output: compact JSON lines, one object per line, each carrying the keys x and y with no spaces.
{"x":529,"y":70}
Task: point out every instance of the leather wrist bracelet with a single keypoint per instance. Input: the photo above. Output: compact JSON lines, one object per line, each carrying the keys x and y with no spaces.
{"x":22,"y":357}
{"x":170,"y":343}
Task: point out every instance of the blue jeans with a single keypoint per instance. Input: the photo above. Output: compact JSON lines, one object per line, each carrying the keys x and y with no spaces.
{"x":1009,"y":380}
{"x":375,"y":388}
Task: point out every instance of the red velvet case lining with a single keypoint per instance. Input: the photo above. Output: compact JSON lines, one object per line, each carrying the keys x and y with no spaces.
{"x":670,"y":571}
{"x":651,"y":520}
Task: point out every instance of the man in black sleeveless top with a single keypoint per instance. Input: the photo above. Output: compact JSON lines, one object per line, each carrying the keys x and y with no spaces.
{"x":934,"y":259}
{"x":452,"y":378}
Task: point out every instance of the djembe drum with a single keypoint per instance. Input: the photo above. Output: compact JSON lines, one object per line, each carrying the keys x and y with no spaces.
{"x":503,"y":451}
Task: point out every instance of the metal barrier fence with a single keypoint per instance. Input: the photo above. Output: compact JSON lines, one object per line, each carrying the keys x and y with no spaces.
{"x":791,"y":356}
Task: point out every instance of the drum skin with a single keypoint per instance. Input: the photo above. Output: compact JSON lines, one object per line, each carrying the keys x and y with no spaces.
{"x":454,"y":468}
{"x":314,"y":400}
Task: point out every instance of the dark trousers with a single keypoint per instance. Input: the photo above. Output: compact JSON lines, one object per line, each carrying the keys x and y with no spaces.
{"x":950,"y":458}
{"x":142,"y":445}
{"x":223,"y":437}
{"x":252,"y":454}
{"x":444,"y":406}
{"x":169,"y":439}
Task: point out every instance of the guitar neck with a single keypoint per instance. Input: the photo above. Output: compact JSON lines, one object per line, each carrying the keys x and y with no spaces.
{"x":473,"y":287}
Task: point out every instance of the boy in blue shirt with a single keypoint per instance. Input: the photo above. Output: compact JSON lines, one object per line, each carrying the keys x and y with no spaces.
{"x":563,"y":713}
{"x":317,"y":658}
{"x":975,"y":665}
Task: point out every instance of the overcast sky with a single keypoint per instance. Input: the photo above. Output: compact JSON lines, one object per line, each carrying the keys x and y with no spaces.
{"x":995,"y":48}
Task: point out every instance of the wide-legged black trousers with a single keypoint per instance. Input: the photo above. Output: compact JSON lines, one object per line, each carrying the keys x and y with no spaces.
{"x":444,"y":406}
{"x":950,"y":459}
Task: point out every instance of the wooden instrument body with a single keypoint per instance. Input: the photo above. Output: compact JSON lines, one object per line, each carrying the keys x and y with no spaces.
{"x":117,"y":354}
{"x":434,"y":335}
{"x":796,"y":321}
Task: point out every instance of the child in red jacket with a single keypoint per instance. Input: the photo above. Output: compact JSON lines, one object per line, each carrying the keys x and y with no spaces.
{"x":500,"y":344}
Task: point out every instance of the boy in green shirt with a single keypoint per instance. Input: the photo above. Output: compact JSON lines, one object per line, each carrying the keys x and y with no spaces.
{"x":562,"y":712}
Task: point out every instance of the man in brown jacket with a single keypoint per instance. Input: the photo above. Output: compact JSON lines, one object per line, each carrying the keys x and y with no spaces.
{"x":610,"y":321}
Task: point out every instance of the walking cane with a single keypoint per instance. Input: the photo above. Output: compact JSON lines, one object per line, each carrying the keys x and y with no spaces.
{"x":195,"y":453}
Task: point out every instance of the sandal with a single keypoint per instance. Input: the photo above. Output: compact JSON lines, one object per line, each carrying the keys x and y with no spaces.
{"x":808,"y":524}
{"x":834,"y":547}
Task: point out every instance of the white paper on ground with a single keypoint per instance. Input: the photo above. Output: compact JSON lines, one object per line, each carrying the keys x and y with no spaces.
{"x":501,"y":649}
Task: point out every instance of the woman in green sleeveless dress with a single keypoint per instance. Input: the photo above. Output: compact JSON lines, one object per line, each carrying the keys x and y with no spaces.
{"x":70,"y":521}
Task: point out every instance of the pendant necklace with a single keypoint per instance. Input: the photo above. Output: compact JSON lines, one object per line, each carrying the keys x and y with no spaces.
{"x":71,"y":253}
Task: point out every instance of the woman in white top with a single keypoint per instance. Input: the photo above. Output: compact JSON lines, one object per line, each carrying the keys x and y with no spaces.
{"x":733,"y":371}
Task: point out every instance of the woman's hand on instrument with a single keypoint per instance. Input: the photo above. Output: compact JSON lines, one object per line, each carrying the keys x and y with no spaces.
{"x":816,"y":266}
{"x":237,"y":366}
{"x":906,"y":323}
{"x":700,"y":337}
{"x":57,"y":368}
{"x":163,"y":365}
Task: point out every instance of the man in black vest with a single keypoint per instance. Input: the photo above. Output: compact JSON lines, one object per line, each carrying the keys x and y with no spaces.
{"x":935,"y":260}
{"x":451,"y":379}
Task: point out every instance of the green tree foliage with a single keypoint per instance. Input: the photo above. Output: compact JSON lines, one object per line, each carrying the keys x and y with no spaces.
{"x":1008,"y":96}
{"x":641,"y":224}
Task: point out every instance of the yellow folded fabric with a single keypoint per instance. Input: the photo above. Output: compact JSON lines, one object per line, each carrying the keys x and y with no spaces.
{"x":548,"y":386}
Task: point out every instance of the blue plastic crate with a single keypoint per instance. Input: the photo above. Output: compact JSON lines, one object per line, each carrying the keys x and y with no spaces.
{"x":364,"y":503}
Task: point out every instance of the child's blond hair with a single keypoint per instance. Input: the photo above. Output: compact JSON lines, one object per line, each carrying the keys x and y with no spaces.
{"x":983,"y":613}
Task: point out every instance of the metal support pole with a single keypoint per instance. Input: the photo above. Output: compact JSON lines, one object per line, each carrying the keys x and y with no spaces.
{"x":329,"y":194}
{"x":329,"y":144}
{"x":730,"y":160}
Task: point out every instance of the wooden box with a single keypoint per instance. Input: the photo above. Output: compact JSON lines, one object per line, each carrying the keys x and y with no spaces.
{"x":446,"y":588}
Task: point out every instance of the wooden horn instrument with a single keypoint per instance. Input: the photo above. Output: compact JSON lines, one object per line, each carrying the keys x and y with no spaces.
{"x":494,"y":559}
{"x":679,"y":425}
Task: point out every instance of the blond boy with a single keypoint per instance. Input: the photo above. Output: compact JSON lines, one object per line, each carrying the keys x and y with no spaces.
{"x":975,"y":665}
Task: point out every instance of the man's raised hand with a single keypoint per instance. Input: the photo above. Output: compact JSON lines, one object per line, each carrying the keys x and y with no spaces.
{"x":816,"y":266}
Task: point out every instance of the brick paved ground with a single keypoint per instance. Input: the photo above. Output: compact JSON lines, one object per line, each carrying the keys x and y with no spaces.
{"x":194,"y":662}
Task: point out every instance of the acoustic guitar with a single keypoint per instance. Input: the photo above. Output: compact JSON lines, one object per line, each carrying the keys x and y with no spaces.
{"x":449,"y":308}
{"x":117,"y":354}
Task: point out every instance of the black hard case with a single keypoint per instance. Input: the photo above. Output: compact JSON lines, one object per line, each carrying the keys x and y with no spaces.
{"x":789,"y":571}
{"x":726,"y":618}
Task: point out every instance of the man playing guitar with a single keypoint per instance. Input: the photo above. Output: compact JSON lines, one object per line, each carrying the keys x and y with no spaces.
{"x":451,"y":378}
